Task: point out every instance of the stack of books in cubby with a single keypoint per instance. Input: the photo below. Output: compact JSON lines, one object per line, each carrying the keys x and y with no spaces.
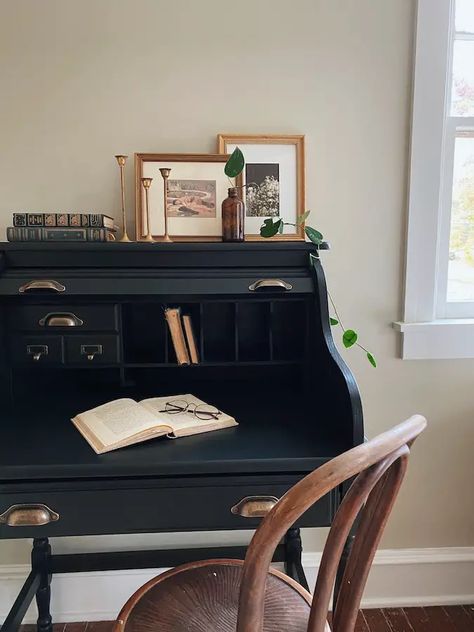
{"x":182,"y":336}
{"x":61,"y":227}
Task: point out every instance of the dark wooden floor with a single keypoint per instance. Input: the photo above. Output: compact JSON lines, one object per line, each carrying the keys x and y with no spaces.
{"x":432,"y":619}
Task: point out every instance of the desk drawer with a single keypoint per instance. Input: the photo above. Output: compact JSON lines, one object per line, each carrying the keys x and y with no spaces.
{"x":37,"y":350}
{"x":59,"y":317}
{"x":91,"y":350}
{"x":132,"y":510}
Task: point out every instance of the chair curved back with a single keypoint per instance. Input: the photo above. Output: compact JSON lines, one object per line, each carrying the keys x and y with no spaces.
{"x":379,"y":467}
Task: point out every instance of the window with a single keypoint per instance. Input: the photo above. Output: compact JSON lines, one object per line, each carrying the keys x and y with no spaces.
{"x":456,"y":269}
{"x":439,"y":297}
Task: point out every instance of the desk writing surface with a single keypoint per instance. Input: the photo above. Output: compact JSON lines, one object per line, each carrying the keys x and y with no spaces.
{"x":45,"y":444}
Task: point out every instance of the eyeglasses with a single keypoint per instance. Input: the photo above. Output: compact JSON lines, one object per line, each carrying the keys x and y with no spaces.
{"x":201,"y":411}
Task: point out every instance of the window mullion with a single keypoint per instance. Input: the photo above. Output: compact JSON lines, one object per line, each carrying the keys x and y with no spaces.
{"x":463,"y":122}
{"x":444,"y":225}
{"x":462,"y":35}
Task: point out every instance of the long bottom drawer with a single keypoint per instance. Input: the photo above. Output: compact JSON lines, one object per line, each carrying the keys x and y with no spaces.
{"x":132,"y":510}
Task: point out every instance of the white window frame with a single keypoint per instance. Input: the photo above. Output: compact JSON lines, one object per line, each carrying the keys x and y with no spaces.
{"x":432,"y":327}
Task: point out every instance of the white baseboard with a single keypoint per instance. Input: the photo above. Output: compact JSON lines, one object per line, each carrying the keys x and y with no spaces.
{"x":401,"y":577}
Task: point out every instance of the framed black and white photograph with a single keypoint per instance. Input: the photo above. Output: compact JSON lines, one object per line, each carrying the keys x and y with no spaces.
{"x":274,"y":180}
{"x":197,"y":185}
{"x":262,"y":194}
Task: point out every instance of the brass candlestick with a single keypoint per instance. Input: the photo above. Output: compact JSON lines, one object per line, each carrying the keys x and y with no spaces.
{"x":146,"y":185}
{"x":165,"y":172}
{"x":121,"y":163}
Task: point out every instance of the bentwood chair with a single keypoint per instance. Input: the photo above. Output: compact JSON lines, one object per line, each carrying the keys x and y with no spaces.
{"x":228,"y":595}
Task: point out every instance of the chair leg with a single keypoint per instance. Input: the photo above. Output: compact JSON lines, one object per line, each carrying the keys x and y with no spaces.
{"x":293,"y":551}
{"x":342,"y":567}
{"x":41,"y":562}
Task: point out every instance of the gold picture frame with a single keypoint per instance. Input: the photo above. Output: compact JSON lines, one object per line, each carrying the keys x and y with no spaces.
{"x":294,"y":172}
{"x":208,"y":168}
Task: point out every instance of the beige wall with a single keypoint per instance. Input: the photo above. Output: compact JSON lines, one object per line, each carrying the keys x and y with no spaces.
{"x":81,"y":81}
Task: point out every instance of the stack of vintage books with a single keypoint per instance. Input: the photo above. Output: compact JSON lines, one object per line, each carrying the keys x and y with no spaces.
{"x":61,"y":227}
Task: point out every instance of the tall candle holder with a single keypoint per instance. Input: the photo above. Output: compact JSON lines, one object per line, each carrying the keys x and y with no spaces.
{"x":121,"y":159}
{"x":146,"y":185}
{"x":165,"y":172}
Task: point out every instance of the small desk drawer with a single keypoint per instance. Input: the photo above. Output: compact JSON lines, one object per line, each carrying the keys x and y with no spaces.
{"x":59,"y":317}
{"x":161,"y":508}
{"x":37,"y":350}
{"x":91,"y":350}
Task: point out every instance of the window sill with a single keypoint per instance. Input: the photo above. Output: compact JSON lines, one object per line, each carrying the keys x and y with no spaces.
{"x":437,"y":339}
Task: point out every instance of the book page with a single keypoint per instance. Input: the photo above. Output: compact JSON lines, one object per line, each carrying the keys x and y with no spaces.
{"x":118,"y":420}
{"x":184,"y":421}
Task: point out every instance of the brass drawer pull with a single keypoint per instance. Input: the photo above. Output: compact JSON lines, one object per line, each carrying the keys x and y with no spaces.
{"x":37,"y":351}
{"x":254,"y":506}
{"x":28,"y":516}
{"x":66,"y":319}
{"x":91,"y":351}
{"x":42,"y":284}
{"x":261,"y":284}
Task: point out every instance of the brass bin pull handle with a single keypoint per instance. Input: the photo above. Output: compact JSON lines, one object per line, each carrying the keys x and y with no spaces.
{"x":42,"y":284}
{"x":254,"y":506}
{"x":270,"y":283}
{"x":28,"y":516}
{"x":66,"y":319}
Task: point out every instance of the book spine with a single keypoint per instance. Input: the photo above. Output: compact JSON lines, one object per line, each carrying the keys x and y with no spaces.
{"x":17,"y":233}
{"x":190,"y":339}
{"x":98,"y":220}
{"x":173,"y":318}
{"x":38,"y":233}
{"x":62,"y":220}
{"x":28,"y":219}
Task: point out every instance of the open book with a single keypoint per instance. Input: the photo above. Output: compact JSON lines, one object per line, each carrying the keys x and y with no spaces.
{"x":124,"y":422}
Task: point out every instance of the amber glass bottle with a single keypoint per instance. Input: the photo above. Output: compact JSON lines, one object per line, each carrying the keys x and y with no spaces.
{"x":233,"y":213}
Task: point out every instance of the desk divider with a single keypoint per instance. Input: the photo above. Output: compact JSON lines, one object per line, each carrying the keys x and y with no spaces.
{"x":259,"y":330}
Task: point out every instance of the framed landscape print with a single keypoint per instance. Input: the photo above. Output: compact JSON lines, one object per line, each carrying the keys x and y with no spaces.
{"x":197,"y":186}
{"x":274,"y":179}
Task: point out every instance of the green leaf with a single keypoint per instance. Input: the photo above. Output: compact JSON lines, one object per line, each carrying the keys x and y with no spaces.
{"x":314,"y":235}
{"x":371,"y":359}
{"x":235,"y":165}
{"x":302,"y":218}
{"x":281,"y":228}
{"x":349,"y":338}
{"x":270,"y":228}
{"x":333,"y":322}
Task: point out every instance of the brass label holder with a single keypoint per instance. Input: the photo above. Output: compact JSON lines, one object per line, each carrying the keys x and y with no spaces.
{"x":91,"y":351}
{"x":37,"y":351}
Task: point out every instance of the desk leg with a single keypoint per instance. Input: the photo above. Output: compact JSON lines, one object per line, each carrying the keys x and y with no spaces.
{"x":293,"y":551}
{"x":15,"y":616}
{"x":41,"y":563}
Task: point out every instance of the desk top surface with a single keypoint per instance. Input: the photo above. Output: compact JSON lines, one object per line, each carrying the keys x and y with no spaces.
{"x":46,"y":445}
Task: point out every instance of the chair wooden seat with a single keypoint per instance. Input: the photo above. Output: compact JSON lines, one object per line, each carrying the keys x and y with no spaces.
{"x":204,"y":597}
{"x":250,"y":596}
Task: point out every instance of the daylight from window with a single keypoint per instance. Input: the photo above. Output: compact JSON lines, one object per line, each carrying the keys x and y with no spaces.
{"x":460,"y":287}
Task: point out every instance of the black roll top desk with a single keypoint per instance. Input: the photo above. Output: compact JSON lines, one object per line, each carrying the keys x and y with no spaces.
{"x":82,"y":324}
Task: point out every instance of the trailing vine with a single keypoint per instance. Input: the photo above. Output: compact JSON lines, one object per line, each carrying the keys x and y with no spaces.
{"x":350,"y":338}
